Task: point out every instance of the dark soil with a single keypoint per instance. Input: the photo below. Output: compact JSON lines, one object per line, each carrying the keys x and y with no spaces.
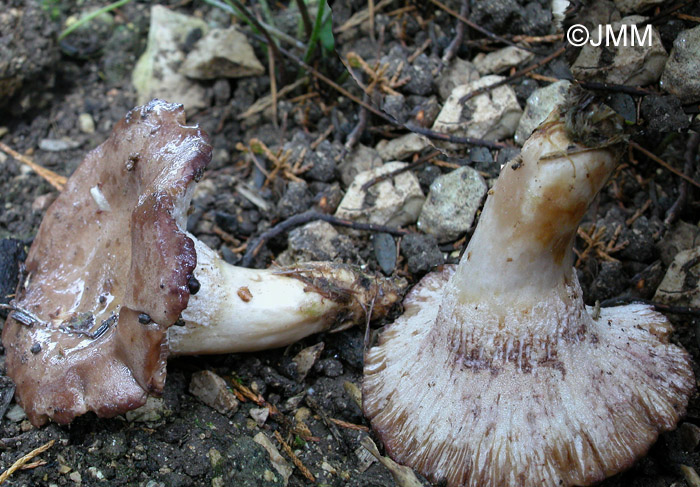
{"x":188,"y":443}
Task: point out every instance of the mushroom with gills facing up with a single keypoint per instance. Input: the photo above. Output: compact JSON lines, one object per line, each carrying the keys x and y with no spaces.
{"x":112,"y":268}
{"x":497,"y":374}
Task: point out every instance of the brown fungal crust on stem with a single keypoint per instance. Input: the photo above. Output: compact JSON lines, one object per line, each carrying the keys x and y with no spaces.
{"x":497,"y":374}
{"x":108,"y":273}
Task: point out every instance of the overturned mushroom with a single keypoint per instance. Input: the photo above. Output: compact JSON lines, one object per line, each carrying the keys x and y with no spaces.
{"x":112,"y":268}
{"x":497,"y":374}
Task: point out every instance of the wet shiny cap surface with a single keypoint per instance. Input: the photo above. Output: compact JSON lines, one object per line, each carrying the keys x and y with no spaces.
{"x":109,"y":251}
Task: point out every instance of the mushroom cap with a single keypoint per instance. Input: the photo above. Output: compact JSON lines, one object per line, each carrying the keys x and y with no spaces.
{"x":108,"y":273}
{"x":518,"y":409}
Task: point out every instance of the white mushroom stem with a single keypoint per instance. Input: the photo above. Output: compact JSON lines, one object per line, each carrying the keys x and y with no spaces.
{"x":243,"y":310}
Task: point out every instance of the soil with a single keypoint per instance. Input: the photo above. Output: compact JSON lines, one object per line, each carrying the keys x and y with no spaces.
{"x":187,"y":443}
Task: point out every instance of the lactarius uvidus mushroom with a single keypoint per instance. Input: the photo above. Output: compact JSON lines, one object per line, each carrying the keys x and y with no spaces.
{"x":112,"y":268}
{"x":497,"y":375}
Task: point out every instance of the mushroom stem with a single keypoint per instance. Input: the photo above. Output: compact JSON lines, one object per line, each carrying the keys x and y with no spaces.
{"x":244,"y":310}
{"x":522,"y":248}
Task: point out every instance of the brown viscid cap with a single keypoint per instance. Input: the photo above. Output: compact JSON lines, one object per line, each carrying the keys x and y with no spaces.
{"x":108,"y":273}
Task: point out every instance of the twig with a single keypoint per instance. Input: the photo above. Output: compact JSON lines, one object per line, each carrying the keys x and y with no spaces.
{"x":359,"y":128}
{"x":295,"y":459}
{"x":513,"y":77}
{"x":54,"y":179}
{"x":273,"y":87}
{"x":306,"y":217}
{"x":413,"y":128}
{"x":691,"y":151}
{"x":456,"y":43}
{"x":395,"y":172}
{"x":665,"y":164}
{"x":24,"y":460}
{"x":666,"y":13}
{"x":630,"y":90}
{"x":350,"y":426}
{"x":264,"y":102}
{"x":327,"y":421}
{"x":359,"y":17}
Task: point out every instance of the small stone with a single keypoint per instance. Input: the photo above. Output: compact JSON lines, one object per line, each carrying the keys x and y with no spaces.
{"x":499,"y":61}
{"x":664,"y":113}
{"x":394,"y":202}
{"x":213,"y":391}
{"x":296,"y":199}
{"x":15,"y":414}
{"x":153,"y":411}
{"x":401,"y":148}
{"x":278,"y":462}
{"x":459,"y":72}
{"x":218,"y":482}
{"x":317,"y":241}
{"x":609,"y":282}
{"x":681,"y":236}
{"x":422,"y":252}
{"x":156,"y":72}
{"x":57,"y":145}
{"x":680,"y":284}
{"x":215,"y":458}
{"x":539,"y":105}
{"x":452,"y":203}
{"x":632,"y":63}
{"x":306,"y":359}
{"x":76,"y":477}
{"x":490,"y":116}
{"x":322,"y":160}
{"x":95,"y":473}
{"x":86,"y":123}
{"x":384,"y":247}
{"x":260,"y":415}
{"x":680,"y":76}
{"x":361,"y":159}
{"x":624,"y":105}
{"x":395,"y":105}
{"x":480,"y":155}
{"x":420,"y":75}
{"x":329,"y":367}
{"x":221,"y":53}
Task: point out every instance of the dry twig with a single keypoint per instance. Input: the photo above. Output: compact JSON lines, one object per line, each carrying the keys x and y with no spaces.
{"x":295,"y":459}
{"x":24,"y":460}
{"x":54,"y":179}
